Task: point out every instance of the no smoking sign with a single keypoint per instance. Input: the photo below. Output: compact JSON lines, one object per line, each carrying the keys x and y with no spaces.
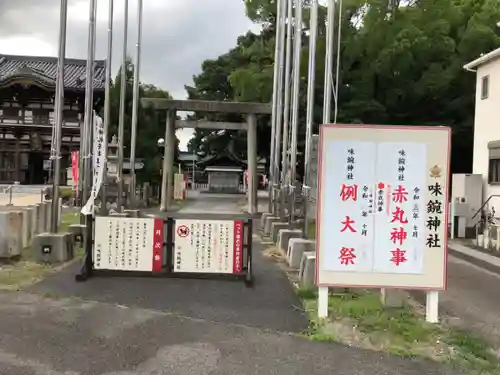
{"x":183,"y":231}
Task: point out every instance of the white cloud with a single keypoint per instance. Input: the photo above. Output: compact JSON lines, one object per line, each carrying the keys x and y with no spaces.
{"x":177,"y":34}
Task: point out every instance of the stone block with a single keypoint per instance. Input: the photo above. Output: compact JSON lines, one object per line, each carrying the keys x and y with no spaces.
{"x":11,"y":240}
{"x":263,"y":219}
{"x":77,"y":231}
{"x":40,"y":217}
{"x":32,"y":217}
{"x":53,"y":247}
{"x":269,"y":223}
{"x":275,"y":229}
{"x":297,"y":247}
{"x":132,"y":213}
{"x":392,"y":297}
{"x":307,"y":269}
{"x":285,"y":235}
{"x":26,"y":222}
{"x":48,"y":213}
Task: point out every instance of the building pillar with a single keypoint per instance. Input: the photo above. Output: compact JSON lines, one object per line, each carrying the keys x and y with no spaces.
{"x":167,"y":184}
{"x":18,"y":158}
{"x":252,"y":163}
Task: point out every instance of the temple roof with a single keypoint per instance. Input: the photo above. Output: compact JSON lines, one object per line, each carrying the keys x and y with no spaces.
{"x":42,"y":70}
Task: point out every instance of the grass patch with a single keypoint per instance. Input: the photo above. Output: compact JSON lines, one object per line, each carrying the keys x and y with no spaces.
{"x":358,"y":318}
{"x":17,"y":274}
{"x":311,"y":230}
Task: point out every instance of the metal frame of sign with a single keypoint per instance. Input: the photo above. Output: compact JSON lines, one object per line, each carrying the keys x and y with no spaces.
{"x":167,"y":270}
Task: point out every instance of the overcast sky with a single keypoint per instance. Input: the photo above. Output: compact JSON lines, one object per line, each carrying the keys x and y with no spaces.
{"x":177,"y":34}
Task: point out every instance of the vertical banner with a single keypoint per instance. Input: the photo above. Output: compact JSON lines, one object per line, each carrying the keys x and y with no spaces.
{"x":158,"y":245}
{"x":74,"y":167}
{"x":98,"y":158}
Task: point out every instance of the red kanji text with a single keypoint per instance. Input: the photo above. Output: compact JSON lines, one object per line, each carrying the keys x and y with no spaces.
{"x":349,"y":192}
{"x":400,"y":195}
{"x":398,"y":234}
{"x":398,"y":256}
{"x":399,"y":216}
{"x":348,"y":224}
{"x":347,"y":256}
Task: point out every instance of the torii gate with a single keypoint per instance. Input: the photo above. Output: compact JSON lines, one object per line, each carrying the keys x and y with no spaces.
{"x":171,"y":106}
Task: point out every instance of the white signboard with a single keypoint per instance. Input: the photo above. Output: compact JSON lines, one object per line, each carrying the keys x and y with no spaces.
{"x":381,"y":206}
{"x":128,"y":244}
{"x":208,"y":246}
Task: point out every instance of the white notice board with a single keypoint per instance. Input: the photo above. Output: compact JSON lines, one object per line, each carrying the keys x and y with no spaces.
{"x":208,"y":246}
{"x":128,"y":244}
{"x":382,"y":198}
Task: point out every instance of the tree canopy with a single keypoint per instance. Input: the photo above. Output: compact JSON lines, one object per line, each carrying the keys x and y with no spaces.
{"x":401,"y":63}
{"x":150,"y":124}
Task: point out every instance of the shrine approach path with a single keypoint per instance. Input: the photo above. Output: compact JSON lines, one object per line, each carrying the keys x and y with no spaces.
{"x":125,"y":326}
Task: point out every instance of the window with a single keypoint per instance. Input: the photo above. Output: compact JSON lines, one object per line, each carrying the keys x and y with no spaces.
{"x":494,"y":171}
{"x":485,"y":87}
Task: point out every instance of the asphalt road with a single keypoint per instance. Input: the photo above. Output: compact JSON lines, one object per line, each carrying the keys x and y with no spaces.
{"x":137,"y":326}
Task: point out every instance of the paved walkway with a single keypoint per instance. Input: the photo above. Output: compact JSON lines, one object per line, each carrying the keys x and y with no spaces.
{"x":472,"y":297}
{"x":125,"y":326}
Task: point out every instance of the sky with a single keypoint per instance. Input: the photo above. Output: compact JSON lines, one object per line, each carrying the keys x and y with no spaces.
{"x":177,"y":35}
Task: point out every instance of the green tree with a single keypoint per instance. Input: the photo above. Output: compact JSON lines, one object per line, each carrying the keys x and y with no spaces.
{"x":150,"y":124}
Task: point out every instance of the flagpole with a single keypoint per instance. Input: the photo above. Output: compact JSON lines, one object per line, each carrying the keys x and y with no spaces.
{"x":313,"y":35}
{"x":107,"y":107}
{"x":276,"y":89}
{"x":135,"y":103}
{"x":121,"y":120}
{"x":327,"y":89}
{"x":286,"y":110}
{"x":59,"y":107}
{"x":337,"y":73}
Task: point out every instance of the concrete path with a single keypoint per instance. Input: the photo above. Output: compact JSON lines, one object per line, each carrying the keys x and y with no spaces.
{"x":126,"y":326}
{"x":471,"y":300}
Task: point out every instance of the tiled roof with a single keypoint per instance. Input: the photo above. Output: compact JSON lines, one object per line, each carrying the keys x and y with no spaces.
{"x":43,"y":70}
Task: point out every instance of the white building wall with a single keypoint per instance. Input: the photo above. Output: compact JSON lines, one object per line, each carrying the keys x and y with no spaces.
{"x":487,"y":124}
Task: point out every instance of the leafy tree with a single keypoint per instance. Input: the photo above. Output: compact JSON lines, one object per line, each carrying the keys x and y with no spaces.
{"x":401,"y":63}
{"x":150,"y":124}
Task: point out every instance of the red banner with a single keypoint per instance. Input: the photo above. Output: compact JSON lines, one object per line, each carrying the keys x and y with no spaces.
{"x":238,"y":247}
{"x":74,"y":167}
{"x":158,"y":246}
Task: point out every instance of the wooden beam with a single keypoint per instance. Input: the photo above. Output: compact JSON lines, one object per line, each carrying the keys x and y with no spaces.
{"x":202,"y":124}
{"x":208,"y":106}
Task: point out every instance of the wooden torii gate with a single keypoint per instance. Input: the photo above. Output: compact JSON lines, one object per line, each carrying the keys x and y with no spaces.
{"x":171,"y":106}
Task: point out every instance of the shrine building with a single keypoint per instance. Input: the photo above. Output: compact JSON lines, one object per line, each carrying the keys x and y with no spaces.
{"x":27,"y":90}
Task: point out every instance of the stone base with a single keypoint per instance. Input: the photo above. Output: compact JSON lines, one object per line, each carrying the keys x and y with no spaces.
{"x":53,"y":247}
{"x":268,"y":224}
{"x":392,"y":297}
{"x":297,"y":247}
{"x":285,"y":235}
{"x":77,"y":231}
{"x":132,"y":213}
{"x":275,"y":229}
{"x":11,"y":234}
{"x":263,"y":219}
{"x":307,"y":269}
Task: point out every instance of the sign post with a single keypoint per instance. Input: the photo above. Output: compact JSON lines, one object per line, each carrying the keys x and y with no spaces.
{"x":382,"y":218}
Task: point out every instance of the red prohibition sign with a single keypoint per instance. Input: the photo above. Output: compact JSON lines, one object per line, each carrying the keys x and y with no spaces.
{"x":183,"y":231}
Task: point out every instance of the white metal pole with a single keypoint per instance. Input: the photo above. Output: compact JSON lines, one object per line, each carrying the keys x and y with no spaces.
{"x":279,"y":118}
{"x":296,"y":104}
{"x":276,"y":88}
{"x":327,"y":93}
{"x":286,"y":111}
{"x":337,"y":73}
{"x":59,"y":108}
{"x":107,"y":106}
{"x":313,"y":35}
{"x":135,"y":103}
{"x":121,"y":119}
